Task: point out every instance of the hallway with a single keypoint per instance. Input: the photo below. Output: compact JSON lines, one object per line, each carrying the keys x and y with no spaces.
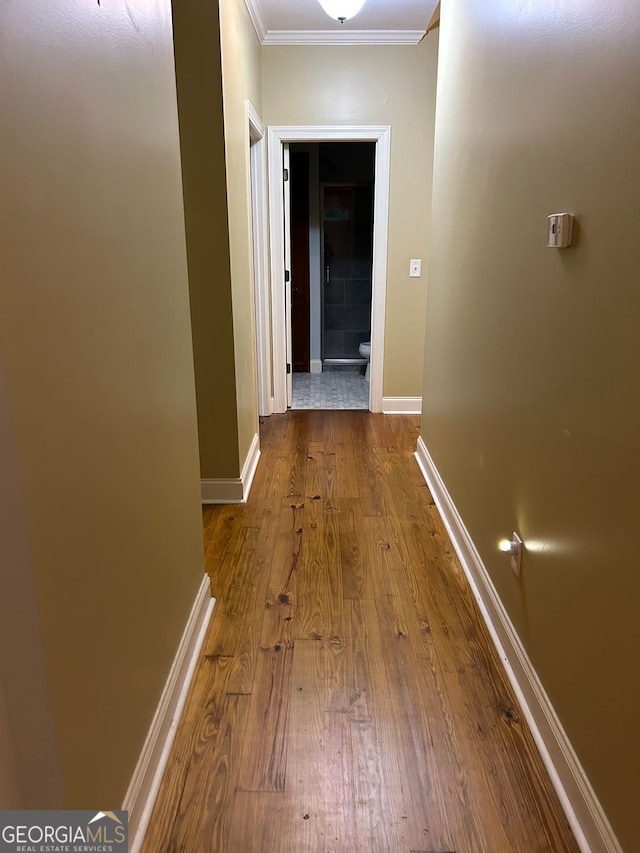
{"x":348,"y":697}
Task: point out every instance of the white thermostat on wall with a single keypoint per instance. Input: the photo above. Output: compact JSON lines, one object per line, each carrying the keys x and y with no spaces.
{"x":560,"y":230}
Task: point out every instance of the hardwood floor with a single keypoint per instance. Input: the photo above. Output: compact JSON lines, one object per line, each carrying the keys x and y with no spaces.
{"x":348,"y":697}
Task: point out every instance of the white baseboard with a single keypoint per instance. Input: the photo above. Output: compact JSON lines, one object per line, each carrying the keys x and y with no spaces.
{"x":233,"y":490}
{"x":221,"y":491}
{"x":249,"y":467}
{"x":583,"y":810}
{"x":147,"y":776}
{"x":402,"y":405}
{"x":315,"y":365}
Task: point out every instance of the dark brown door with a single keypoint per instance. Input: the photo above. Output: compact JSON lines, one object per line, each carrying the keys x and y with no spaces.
{"x":300,"y":321}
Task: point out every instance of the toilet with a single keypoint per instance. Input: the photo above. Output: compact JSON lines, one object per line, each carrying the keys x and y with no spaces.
{"x":365,"y":351}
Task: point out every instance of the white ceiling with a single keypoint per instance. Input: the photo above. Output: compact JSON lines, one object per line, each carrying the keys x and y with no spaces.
{"x":305,"y":22}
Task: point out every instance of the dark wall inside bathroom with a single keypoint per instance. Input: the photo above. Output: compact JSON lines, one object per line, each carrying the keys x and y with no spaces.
{"x":347,"y":172}
{"x":352,"y":162}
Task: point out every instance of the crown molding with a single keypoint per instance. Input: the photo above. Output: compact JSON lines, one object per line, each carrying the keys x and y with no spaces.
{"x":335,"y":37}
{"x":329,"y":37}
{"x":253,"y":8}
{"x":435,"y":19}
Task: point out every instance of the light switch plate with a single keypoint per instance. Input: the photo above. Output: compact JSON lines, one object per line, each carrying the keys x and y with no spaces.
{"x":415,"y":268}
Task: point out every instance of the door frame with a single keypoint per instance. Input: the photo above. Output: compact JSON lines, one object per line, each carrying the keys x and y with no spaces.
{"x":286,"y":233}
{"x":258,"y":202}
{"x":277,"y":136}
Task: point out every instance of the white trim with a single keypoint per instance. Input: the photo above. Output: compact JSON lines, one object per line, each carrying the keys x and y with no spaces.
{"x":346,"y":37}
{"x":221,"y":490}
{"x":583,"y":809}
{"x":258,"y":179}
{"x":233,"y":490}
{"x":286,"y":233}
{"x":276,"y":256}
{"x":249,"y":467}
{"x":402,"y":405}
{"x":253,"y":8}
{"x":256,"y":127}
{"x":147,"y":776}
{"x":315,"y":365}
{"x":277,"y":136}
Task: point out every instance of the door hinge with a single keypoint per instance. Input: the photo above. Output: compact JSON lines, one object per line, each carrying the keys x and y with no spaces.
{"x":288,"y":368}
{"x":285,"y":174}
{"x":287,"y":276}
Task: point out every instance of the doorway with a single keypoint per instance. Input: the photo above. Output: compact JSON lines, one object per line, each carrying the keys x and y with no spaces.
{"x":331,"y":191}
{"x":279,"y":138}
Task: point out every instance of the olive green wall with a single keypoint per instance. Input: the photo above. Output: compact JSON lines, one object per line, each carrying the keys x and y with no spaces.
{"x":218,"y":69}
{"x":241,"y":78}
{"x":99,"y":395}
{"x":10,"y":794}
{"x":367,"y":85}
{"x":199,"y":81}
{"x":29,"y":762}
{"x":531,"y":405}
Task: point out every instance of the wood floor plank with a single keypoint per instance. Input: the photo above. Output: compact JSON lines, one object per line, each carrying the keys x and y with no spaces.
{"x":339,"y":795}
{"x":377,"y":775}
{"x":404,"y":628}
{"x":323,"y":788}
{"x":263,"y":766}
{"x":256,"y":824}
{"x":444,"y":826}
{"x":209,"y":520}
{"x":304,"y":790}
{"x":223,"y":546}
{"x":269,"y":487}
{"x":350,"y":699}
{"x":214,"y":770}
{"x":243,"y":662}
{"x":232,"y":588}
{"x":345,"y":462}
{"x":332,"y":551}
{"x":353,"y":556}
{"x":367,"y":461}
{"x":202,"y":713}
{"x":279,"y":606}
{"x":295,"y":447}
{"x":230,"y":631}
{"x":320,"y":597}
{"x":379,"y":580}
{"x":312,"y":572}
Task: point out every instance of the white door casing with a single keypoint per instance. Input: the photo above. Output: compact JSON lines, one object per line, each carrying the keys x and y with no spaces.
{"x":257,"y":168}
{"x":277,"y":138}
{"x":286,"y":230}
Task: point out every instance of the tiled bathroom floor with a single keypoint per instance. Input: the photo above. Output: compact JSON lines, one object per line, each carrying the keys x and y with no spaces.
{"x":333,"y":389}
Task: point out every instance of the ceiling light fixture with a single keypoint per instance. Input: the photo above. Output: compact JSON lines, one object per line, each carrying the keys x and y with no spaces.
{"x":342,"y":10}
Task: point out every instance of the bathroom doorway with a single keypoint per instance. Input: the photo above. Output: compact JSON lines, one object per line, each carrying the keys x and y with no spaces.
{"x":279,"y":140}
{"x":332,"y":226}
